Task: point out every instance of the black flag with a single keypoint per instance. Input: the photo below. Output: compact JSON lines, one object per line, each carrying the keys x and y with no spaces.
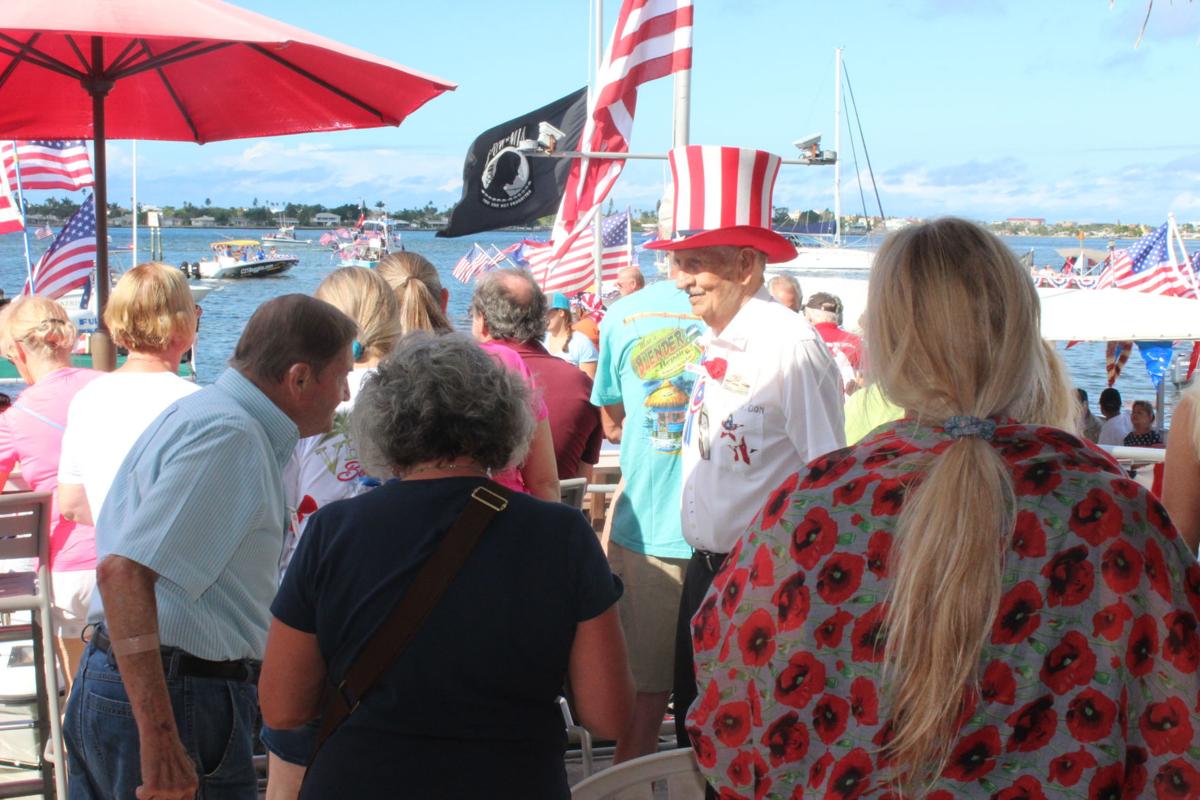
{"x":503,"y":186}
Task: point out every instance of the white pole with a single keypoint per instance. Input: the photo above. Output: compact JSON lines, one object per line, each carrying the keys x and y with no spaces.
{"x":837,"y":147}
{"x":598,"y":33}
{"x":683,"y":107}
{"x":24,"y":214}
{"x":1174,"y":236}
{"x":133,"y":261}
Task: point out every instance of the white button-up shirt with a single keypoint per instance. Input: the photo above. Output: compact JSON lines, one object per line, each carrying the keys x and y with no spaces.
{"x":768,"y":400}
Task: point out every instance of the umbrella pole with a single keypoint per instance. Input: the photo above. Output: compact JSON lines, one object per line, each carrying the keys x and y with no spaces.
{"x":104,"y":355}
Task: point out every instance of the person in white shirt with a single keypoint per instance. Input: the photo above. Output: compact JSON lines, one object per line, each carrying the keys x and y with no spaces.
{"x":1117,"y":422}
{"x":151,"y":314}
{"x":768,"y":398}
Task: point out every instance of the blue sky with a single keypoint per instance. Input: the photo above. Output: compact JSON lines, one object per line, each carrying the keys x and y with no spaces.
{"x":983,"y":108}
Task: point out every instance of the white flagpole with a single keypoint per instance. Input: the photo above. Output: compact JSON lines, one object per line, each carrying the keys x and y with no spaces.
{"x":24,"y":215}
{"x":134,"y":258}
{"x":597,"y":246}
{"x":837,"y":148}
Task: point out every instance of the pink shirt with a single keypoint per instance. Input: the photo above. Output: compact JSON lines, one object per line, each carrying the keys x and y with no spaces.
{"x":512,"y":477}
{"x":31,"y":433}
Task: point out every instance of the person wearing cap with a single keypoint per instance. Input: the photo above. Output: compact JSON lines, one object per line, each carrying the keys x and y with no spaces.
{"x":563,"y":341}
{"x":824,"y":311}
{"x":768,"y":398}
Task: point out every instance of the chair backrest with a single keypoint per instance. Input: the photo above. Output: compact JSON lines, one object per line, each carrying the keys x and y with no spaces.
{"x":24,"y":525}
{"x":677,"y":767}
{"x":572,"y":491}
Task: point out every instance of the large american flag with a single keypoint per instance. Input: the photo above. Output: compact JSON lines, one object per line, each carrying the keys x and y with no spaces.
{"x":10,"y":213}
{"x":575,"y":270}
{"x":69,"y":261}
{"x":1146,"y":267}
{"x":652,"y":39}
{"x":47,"y":164}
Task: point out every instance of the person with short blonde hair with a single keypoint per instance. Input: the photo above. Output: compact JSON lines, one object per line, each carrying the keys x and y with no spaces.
{"x":150,"y":309}
{"x":971,"y":601}
{"x":150,"y":313}
{"x":37,"y":336}
{"x":419,"y":293}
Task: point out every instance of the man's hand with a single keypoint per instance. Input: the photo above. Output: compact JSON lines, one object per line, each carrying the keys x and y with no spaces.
{"x":167,"y":771}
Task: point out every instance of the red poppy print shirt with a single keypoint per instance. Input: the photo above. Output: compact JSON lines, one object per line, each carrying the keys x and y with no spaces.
{"x":1087,"y":687}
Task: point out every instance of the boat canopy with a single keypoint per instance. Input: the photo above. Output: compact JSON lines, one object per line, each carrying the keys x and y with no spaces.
{"x":1085,"y":315}
{"x":237,"y":243}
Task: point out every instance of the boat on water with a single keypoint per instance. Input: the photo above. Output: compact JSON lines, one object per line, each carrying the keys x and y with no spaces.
{"x":372,"y":241}
{"x":286,"y":237}
{"x":244,"y":258}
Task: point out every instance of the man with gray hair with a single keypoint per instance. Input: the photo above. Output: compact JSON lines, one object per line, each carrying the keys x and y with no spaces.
{"x":188,"y":544}
{"x":786,"y":290}
{"x":629,"y":280}
{"x":513,"y":308}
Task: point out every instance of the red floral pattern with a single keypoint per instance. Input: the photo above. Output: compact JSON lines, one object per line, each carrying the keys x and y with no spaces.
{"x":1088,"y":684}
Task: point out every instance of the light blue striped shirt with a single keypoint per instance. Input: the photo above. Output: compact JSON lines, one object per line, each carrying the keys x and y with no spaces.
{"x":199,"y":500}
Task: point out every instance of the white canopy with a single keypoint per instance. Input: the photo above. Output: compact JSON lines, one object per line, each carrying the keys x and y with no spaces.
{"x":1088,"y":315}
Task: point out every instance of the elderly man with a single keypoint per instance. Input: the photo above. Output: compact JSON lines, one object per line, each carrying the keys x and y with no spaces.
{"x":768,"y":398}
{"x":824,"y":311}
{"x":786,"y":290}
{"x":630,"y":280}
{"x":514,"y":312}
{"x":648,"y":342}
{"x":188,"y":544}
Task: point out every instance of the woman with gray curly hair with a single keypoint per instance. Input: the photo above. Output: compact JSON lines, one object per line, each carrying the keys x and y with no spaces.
{"x":533,"y":605}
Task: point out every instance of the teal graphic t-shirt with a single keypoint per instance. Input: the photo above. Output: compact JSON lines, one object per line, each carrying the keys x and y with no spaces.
{"x":647,"y":341}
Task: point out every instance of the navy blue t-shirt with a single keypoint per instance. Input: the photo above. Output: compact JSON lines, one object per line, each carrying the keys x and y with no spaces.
{"x":469,"y":709}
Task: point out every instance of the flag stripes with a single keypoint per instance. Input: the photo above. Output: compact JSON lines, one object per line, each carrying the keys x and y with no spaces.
{"x":69,"y":261}
{"x":575,"y":270}
{"x":48,"y":164}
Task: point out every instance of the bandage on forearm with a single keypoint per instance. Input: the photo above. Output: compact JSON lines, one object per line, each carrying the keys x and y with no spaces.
{"x":135,"y":644}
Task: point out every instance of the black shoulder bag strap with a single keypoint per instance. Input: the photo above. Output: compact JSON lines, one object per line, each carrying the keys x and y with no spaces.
{"x":411,"y":610}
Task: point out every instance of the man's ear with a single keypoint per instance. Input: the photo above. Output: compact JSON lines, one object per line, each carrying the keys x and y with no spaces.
{"x":298,"y":378}
{"x":746,"y":263}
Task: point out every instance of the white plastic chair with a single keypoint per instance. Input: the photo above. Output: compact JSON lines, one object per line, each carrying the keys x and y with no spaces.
{"x":25,"y":534}
{"x":577,"y":734}
{"x":677,"y":767}
{"x":572,"y":491}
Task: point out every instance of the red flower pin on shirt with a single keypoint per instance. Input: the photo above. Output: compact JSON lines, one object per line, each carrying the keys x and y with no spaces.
{"x":716,"y":368}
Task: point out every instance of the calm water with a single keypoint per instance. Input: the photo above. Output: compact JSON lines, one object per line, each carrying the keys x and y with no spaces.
{"x":228,"y":307}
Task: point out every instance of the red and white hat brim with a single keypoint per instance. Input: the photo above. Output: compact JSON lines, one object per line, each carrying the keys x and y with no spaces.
{"x":776,"y":247}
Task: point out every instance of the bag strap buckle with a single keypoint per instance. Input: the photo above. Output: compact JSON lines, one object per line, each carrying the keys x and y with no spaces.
{"x":493,"y":500}
{"x":351,"y":703}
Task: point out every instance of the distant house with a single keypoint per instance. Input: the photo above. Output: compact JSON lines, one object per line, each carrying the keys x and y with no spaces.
{"x":123,"y":221}
{"x":204,"y":221}
{"x":1026,"y":220}
{"x":170,"y":222}
{"x":289,"y":221}
{"x":241,"y":222}
{"x":326,"y":219}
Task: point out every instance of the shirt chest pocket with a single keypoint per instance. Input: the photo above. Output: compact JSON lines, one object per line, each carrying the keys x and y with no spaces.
{"x":738,"y":438}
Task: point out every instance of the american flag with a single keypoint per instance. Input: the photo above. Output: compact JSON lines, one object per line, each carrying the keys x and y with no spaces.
{"x":575,"y":270}
{"x":475,"y":261}
{"x":47,"y":164}
{"x":10,"y":213}
{"x":652,"y":39}
{"x":1146,"y":267}
{"x":72,"y":254}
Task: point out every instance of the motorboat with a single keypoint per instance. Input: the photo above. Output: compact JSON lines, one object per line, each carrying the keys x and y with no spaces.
{"x":372,"y":241}
{"x":244,"y":258}
{"x":286,"y":237}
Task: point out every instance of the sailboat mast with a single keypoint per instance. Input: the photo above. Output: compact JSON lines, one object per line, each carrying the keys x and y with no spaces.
{"x":837,"y":147}
{"x":598,"y":33}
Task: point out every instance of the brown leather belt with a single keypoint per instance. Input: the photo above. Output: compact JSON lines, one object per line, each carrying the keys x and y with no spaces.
{"x":190,"y":666}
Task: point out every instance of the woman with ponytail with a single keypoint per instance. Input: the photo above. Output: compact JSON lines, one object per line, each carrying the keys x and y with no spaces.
{"x":37,"y":336}
{"x":420,"y":298}
{"x":971,"y":601}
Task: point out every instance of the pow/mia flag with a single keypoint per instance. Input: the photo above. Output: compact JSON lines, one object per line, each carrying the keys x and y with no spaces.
{"x":501,"y":185}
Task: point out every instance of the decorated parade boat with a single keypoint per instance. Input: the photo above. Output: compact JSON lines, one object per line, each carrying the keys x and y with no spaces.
{"x":244,"y":258}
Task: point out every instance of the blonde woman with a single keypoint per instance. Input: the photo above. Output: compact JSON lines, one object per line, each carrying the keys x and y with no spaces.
{"x":37,"y":336}
{"x":1181,"y":479}
{"x":420,"y":297}
{"x":967,"y":603}
{"x":152,"y":315}
{"x":326,"y":467}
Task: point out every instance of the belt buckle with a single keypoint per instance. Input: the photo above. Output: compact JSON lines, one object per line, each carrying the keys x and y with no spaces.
{"x":494,"y":500}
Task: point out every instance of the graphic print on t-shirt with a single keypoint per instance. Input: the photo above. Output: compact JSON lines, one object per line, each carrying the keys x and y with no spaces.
{"x":660,"y":359}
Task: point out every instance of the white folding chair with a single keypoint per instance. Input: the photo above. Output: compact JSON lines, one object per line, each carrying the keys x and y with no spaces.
{"x":25,"y":534}
{"x":577,"y":734}
{"x":677,"y":767}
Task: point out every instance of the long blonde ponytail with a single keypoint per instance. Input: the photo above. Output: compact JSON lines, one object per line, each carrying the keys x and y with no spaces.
{"x":953,"y":329}
{"x":418,"y":290}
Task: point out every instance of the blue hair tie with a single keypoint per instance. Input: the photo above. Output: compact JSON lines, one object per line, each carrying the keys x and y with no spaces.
{"x":962,"y":426}
{"x":358,"y":350}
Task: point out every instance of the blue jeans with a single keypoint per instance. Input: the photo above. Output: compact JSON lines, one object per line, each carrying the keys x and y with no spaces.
{"x":216,"y":725}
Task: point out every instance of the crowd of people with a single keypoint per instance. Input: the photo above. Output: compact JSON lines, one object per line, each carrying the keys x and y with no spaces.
{"x":886,"y":566}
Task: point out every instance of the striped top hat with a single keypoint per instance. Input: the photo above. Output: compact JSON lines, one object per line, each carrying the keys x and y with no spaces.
{"x":723,"y":198}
